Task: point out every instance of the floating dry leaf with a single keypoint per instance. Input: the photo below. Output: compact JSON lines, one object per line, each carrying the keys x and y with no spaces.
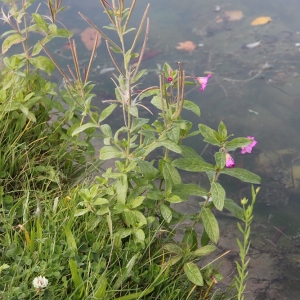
{"x":88,"y":37}
{"x":187,"y":46}
{"x":233,"y":15}
{"x":261,"y":21}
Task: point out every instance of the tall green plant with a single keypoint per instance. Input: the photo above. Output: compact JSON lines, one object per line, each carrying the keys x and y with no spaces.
{"x":140,"y":190}
{"x":242,"y":265}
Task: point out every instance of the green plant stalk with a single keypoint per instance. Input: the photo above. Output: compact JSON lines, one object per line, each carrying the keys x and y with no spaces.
{"x":242,"y":276}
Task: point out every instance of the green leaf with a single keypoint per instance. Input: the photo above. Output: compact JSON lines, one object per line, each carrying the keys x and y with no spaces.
{"x":138,"y":123}
{"x":105,"y":113}
{"x":222,"y":130}
{"x":189,"y":239}
{"x":109,"y":152}
{"x":61,"y":32}
{"x":125,"y":273}
{"x":43,"y":63}
{"x":134,"y":111}
{"x":99,"y":201}
{"x":169,"y":172}
{"x":156,"y":101}
{"x":236,"y":210}
{"x":189,"y":152}
{"x":171,"y":146}
{"x":136,"y":202}
{"x":238,"y":143}
{"x":189,"y":105}
{"x":204,"y":250}
{"x":204,"y":238}
{"x":174,"y":134}
{"x":138,"y":75}
{"x":77,"y":280}
{"x":139,"y":234}
{"x":173,"y":248}
{"x":174,"y":199}
{"x":193,"y":165}
{"x":210,"y":135}
{"x":40,"y":22}
{"x":210,"y":224}
{"x":11,"y":40}
{"x":70,"y":238}
{"x":242,"y":174}
{"x":106,"y":130}
{"x":38,"y":46}
{"x":100,"y":289}
{"x":134,"y":218}
{"x":218,"y":195}
{"x":173,"y":260}
{"x":147,"y":169}
{"x":83,"y":127}
{"x":220,"y":158}
{"x":184,"y":190}
{"x":29,"y":115}
{"x":193,"y":273}
{"x":121,"y":189}
{"x":166,"y":213}
{"x":135,"y":296}
{"x":81,"y":212}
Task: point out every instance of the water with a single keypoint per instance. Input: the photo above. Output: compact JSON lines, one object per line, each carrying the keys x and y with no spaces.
{"x":254,"y":91}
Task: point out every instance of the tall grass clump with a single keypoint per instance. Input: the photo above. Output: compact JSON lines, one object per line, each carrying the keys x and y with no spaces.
{"x":110,"y":234}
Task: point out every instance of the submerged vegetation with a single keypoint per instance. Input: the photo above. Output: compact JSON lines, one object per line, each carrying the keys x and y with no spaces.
{"x":78,"y":224}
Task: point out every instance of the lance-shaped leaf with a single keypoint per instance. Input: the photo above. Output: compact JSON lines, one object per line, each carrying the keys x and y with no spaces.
{"x":166,"y":213}
{"x":236,"y":210}
{"x":204,"y":250}
{"x":105,"y":113}
{"x":218,"y":195}
{"x":189,"y":105}
{"x":222,"y":130}
{"x":108,"y":152}
{"x":184,"y":190}
{"x":242,"y":174}
{"x":238,"y":143}
{"x":83,"y":128}
{"x":210,"y":224}
{"x":220,"y":158}
{"x":210,"y":135}
{"x":193,"y":273}
{"x":193,"y":165}
{"x":147,"y":169}
{"x":12,"y":40}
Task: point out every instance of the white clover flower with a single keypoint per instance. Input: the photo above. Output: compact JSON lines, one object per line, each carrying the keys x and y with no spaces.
{"x":40,"y":282}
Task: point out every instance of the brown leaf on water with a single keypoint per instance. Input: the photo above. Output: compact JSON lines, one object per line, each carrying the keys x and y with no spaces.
{"x":187,"y":46}
{"x":88,"y":37}
{"x":233,"y":15}
{"x":261,"y":21}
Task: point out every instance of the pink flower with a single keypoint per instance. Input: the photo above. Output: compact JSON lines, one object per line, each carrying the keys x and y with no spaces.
{"x":248,"y":148}
{"x":169,"y":79}
{"x":229,"y":161}
{"x":203,"y":81}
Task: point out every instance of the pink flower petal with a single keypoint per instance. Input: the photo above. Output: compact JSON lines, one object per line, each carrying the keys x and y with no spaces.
{"x":203,"y":81}
{"x":229,"y":161}
{"x":248,"y":149}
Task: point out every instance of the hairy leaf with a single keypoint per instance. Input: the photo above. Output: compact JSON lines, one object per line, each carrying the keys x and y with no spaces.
{"x":242,"y":174}
{"x":210,"y":224}
{"x":193,"y":273}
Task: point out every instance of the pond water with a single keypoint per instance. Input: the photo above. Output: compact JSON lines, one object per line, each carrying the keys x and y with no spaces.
{"x":255,"y":90}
